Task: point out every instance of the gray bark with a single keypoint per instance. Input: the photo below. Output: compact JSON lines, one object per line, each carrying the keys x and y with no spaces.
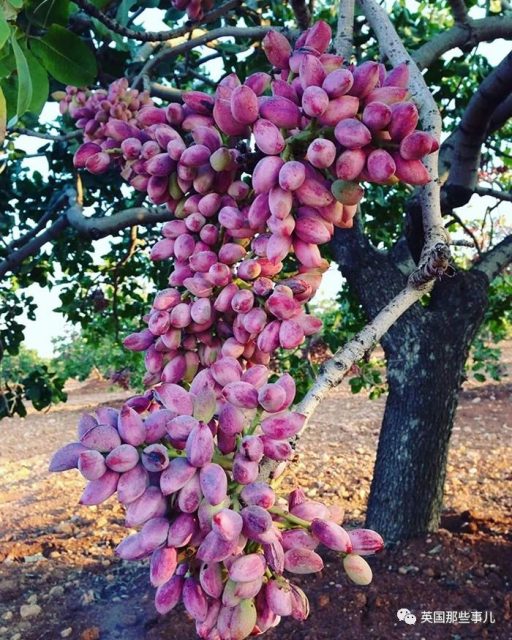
{"x":425,"y":371}
{"x":425,"y":351}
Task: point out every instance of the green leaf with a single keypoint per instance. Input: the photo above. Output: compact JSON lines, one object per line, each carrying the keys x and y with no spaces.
{"x":24,"y":79}
{"x":7,"y":61}
{"x":17,"y":4}
{"x":5,"y":30}
{"x":10,"y":90}
{"x":65,"y":56}
{"x":101,"y":4}
{"x":3,"y":116}
{"x":122,"y":12}
{"x":40,"y":84}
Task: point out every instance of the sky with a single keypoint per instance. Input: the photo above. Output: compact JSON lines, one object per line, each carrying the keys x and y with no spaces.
{"x":50,"y":324}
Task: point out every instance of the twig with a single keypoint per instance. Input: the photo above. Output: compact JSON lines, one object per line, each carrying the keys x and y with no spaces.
{"x":204,"y":79}
{"x":222,"y":32}
{"x":467,"y":230}
{"x":345,"y":29}
{"x":501,"y":153}
{"x":154,"y":36}
{"x":45,"y":136}
{"x":494,"y":193}
{"x":132,"y":247}
{"x":462,"y":242}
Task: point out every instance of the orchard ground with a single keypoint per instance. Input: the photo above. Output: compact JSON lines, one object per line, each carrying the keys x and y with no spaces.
{"x":59,"y":577}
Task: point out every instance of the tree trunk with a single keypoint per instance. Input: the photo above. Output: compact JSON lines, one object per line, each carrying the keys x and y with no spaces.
{"x":425,"y":351}
{"x":425,"y":363}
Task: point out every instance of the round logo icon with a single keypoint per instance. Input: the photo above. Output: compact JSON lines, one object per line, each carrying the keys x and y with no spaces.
{"x":404,"y":615}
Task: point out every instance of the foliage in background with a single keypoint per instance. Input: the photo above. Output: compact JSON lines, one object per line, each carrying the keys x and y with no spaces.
{"x":77,"y":355}
{"x":28,"y":376}
{"x":485,"y":356}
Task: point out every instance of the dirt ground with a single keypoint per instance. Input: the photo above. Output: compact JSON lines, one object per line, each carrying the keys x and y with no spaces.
{"x":59,"y":577}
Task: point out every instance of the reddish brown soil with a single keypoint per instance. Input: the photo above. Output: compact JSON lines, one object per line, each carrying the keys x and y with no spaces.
{"x":59,"y":556}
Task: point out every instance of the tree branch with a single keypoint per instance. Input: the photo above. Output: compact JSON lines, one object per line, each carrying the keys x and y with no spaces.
{"x":92,"y":228}
{"x":459,"y":10}
{"x":154,"y":36}
{"x":494,"y":193}
{"x":467,"y":230}
{"x":430,"y":195}
{"x":496,"y":259}
{"x":467,"y":142}
{"x":501,"y":115}
{"x":166,"y":93}
{"x":302,"y":13}
{"x":54,"y":204}
{"x":45,"y":136}
{"x":464,"y":35}
{"x":96,"y":228}
{"x":345,"y":29}
{"x":366,"y":340}
{"x":15,"y":259}
{"x":168,"y":52}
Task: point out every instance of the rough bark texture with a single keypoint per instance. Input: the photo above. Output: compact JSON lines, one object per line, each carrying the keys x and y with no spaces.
{"x":425,"y":370}
{"x":425,"y":351}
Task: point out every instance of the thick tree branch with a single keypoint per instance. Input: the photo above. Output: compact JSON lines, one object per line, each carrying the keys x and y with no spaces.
{"x":366,"y":340}
{"x":92,"y":228}
{"x":252,"y":33}
{"x":495,"y":260}
{"x":498,"y":118}
{"x":459,"y":10}
{"x":302,"y":13}
{"x":430,"y":195}
{"x":154,"y":36}
{"x":15,"y":259}
{"x":464,"y":35}
{"x":345,"y":29}
{"x":472,"y":131}
{"x":96,"y":228}
{"x":362,"y":264}
{"x":501,"y":115}
{"x":494,"y":120}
